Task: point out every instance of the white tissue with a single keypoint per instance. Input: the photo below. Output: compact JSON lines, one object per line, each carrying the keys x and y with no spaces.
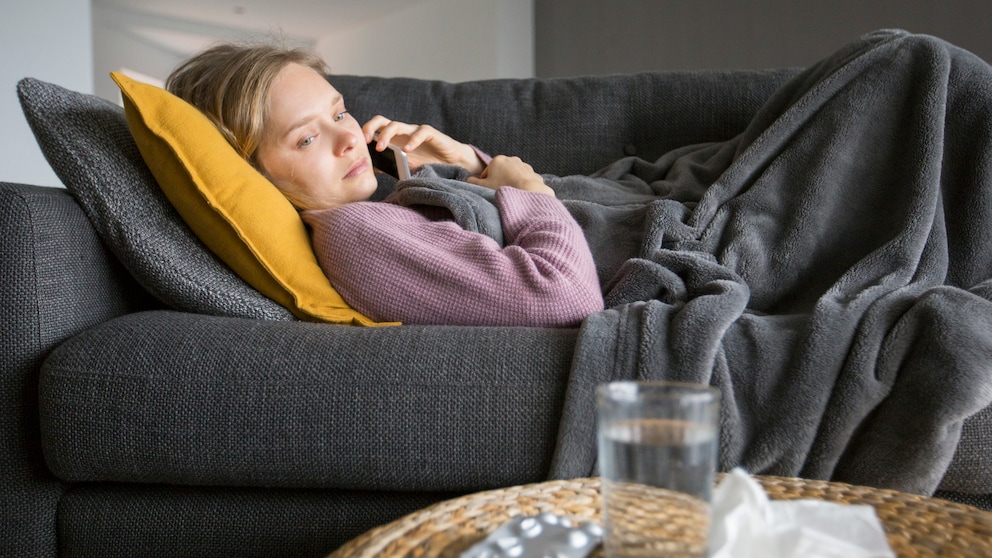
{"x":746,"y":524}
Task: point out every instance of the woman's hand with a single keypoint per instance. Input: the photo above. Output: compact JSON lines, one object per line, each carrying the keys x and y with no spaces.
{"x":511,"y":171}
{"x":423,"y":144}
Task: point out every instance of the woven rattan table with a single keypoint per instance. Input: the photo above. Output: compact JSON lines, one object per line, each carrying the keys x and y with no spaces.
{"x":915,"y":525}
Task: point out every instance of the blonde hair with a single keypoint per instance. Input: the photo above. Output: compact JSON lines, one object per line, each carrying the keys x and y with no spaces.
{"x":230,"y":84}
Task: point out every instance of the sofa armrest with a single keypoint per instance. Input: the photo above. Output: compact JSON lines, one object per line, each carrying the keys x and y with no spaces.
{"x":574,"y":125}
{"x":57,"y":280}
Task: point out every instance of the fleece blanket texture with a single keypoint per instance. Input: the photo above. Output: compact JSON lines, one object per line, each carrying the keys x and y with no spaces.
{"x":829,"y":269}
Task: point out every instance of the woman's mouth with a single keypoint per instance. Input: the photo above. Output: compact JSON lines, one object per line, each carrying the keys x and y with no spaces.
{"x":358,"y":168}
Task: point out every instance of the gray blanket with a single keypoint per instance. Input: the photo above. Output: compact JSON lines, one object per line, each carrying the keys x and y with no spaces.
{"x":829,"y":269}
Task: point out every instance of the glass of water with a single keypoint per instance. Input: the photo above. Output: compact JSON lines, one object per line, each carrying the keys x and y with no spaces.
{"x":658,"y":444}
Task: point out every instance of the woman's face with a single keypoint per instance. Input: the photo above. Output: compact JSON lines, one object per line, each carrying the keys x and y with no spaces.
{"x":312,"y":149}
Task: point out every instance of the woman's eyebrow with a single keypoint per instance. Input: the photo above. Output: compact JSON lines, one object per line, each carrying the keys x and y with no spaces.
{"x":303,"y":120}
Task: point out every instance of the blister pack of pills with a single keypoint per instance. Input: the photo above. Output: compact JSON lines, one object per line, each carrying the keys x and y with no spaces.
{"x":546,"y":535}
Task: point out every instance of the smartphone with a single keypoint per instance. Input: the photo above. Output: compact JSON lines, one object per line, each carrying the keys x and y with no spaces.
{"x":391,"y":160}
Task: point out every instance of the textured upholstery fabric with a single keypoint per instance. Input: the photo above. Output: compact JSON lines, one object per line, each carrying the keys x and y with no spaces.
{"x":57,"y":280}
{"x":230,"y":206}
{"x":87,"y":142}
{"x":971,"y":470}
{"x":183,"y":395}
{"x":125,"y":520}
{"x":609,"y":117}
{"x":256,"y":403}
{"x":573,"y":125}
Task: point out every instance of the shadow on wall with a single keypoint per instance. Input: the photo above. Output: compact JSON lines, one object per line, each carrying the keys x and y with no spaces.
{"x":148,"y":47}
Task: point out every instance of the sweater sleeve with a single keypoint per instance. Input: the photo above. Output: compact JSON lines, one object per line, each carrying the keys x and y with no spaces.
{"x":393,"y":264}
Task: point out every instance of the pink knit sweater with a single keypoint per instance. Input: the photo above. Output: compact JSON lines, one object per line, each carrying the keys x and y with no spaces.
{"x":393,"y":263}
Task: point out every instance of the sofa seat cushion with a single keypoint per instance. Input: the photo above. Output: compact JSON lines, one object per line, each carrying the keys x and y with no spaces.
{"x":169,"y":397}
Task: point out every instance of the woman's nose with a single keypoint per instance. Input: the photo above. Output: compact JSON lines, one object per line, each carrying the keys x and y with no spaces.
{"x":344,"y":141}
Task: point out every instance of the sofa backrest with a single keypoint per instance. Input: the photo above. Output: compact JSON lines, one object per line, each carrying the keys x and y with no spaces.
{"x":573,"y":125}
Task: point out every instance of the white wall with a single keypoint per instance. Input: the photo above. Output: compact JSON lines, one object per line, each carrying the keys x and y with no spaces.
{"x":451,"y":40}
{"x":76,"y":43}
{"x":152,"y":45}
{"x":49,"y":40}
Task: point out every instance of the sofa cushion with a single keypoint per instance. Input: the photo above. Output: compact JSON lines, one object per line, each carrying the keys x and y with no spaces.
{"x":573,"y":125}
{"x":230,"y":206}
{"x":87,"y":142}
{"x":296,"y":404}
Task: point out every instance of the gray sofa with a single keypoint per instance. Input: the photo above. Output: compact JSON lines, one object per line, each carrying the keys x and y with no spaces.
{"x":155,"y":416}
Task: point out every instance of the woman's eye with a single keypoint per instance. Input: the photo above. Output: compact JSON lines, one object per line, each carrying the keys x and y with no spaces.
{"x":340,"y":116}
{"x":307,"y":141}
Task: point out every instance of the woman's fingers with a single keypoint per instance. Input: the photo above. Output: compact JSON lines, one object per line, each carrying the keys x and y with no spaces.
{"x":425,"y":143}
{"x":408,"y":137}
{"x":373,"y":125}
{"x":385,"y":131}
{"x":422,"y":134}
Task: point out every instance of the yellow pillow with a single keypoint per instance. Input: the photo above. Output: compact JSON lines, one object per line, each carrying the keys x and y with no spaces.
{"x":229,"y":205}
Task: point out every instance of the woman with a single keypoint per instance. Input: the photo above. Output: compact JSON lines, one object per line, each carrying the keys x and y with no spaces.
{"x":390,"y":262}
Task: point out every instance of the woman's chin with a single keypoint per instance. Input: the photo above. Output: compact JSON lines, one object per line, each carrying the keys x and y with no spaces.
{"x":368,"y":186}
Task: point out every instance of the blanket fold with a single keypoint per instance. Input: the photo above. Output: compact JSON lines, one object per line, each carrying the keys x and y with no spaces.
{"x":828,"y":269}
{"x":444,"y":187}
